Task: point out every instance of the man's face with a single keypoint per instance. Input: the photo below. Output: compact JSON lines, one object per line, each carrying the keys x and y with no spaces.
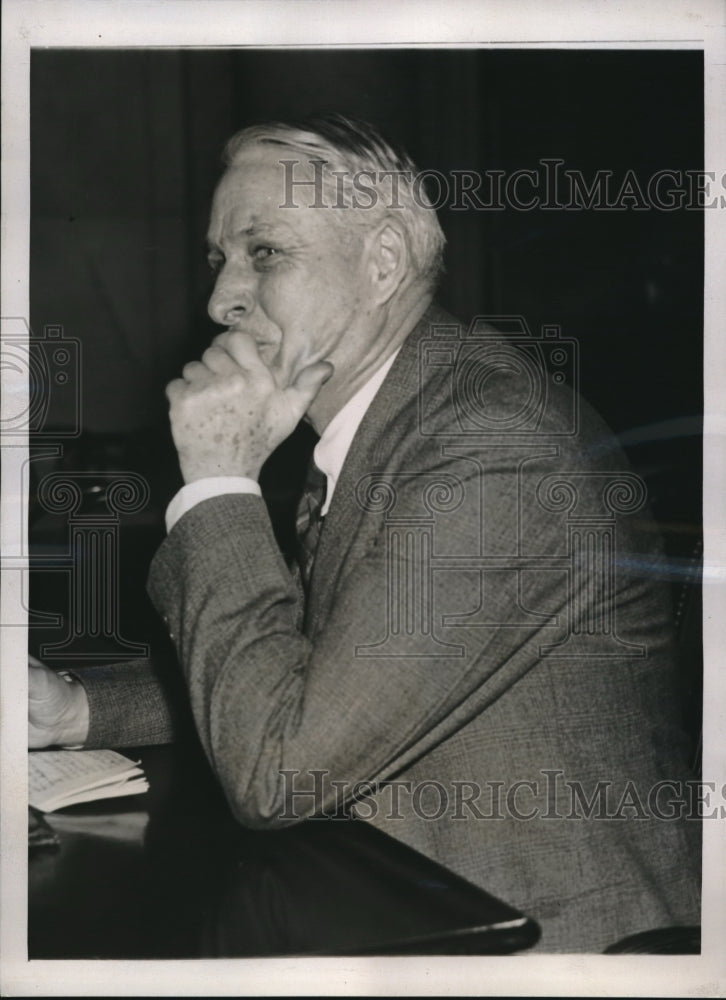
{"x":289,"y":277}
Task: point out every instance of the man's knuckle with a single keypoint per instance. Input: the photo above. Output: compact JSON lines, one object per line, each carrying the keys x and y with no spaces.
{"x":212,"y":353}
{"x":173,"y":389}
{"x":239,"y":343}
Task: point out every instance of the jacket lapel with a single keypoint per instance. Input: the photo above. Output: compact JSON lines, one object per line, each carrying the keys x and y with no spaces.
{"x":389,"y":422}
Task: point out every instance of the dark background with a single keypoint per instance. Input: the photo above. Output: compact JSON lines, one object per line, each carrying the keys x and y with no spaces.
{"x":125,"y":153}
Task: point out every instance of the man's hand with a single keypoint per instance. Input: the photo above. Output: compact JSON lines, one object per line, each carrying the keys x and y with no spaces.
{"x":57,"y":710}
{"x":227,"y":412}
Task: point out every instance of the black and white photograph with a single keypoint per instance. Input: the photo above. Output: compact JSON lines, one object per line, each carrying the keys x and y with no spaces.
{"x":362,"y":505}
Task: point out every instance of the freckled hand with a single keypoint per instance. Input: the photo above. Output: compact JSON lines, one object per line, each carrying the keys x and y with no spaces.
{"x":228,"y":414}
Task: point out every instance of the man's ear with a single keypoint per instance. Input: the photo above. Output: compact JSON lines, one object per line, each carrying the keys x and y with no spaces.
{"x":388,"y":259}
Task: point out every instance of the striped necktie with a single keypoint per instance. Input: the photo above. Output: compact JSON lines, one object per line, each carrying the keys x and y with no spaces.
{"x":309,"y":521}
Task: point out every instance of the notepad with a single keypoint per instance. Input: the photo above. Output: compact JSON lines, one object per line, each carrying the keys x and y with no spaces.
{"x":60,"y":778}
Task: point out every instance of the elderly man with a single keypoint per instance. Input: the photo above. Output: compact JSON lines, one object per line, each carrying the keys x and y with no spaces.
{"x":472,"y":651}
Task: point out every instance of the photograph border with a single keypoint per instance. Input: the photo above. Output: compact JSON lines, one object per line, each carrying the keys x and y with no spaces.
{"x":315,"y":23}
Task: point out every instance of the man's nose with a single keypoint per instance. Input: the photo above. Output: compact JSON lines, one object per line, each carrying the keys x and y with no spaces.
{"x":232,"y":298}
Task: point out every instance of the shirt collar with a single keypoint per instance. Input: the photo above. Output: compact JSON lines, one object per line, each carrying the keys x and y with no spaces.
{"x":332,"y":448}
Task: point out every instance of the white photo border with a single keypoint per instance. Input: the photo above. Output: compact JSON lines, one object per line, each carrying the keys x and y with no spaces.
{"x":664,"y":24}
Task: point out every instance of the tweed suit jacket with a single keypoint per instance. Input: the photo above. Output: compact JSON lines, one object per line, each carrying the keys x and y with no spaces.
{"x":484,"y":666}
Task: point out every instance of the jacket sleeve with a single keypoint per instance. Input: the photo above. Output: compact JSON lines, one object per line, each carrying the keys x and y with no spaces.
{"x":133,"y":704}
{"x":269,"y":702}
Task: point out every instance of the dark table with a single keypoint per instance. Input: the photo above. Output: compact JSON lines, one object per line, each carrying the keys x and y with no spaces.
{"x":169,"y":874}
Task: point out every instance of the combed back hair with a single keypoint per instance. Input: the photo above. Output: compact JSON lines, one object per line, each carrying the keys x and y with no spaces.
{"x":353,"y":147}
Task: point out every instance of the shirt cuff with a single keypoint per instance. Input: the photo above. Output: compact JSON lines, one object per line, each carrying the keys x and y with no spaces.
{"x":204,"y":489}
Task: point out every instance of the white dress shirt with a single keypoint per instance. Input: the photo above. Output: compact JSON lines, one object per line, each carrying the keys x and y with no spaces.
{"x":330,"y":453}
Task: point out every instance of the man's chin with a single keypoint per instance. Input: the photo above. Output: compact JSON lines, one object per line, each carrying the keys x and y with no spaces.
{"x":283,"y":372}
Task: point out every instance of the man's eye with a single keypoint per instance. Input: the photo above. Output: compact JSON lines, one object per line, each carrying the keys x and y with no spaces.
{"x":215,"y":261}
{"x":263,"y":253}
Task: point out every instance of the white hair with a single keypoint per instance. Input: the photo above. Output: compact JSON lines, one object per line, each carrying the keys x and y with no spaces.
{"x":352,"y":148}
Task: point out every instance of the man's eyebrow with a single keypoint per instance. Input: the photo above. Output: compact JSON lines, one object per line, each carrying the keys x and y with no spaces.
{"x":256,"y":229}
